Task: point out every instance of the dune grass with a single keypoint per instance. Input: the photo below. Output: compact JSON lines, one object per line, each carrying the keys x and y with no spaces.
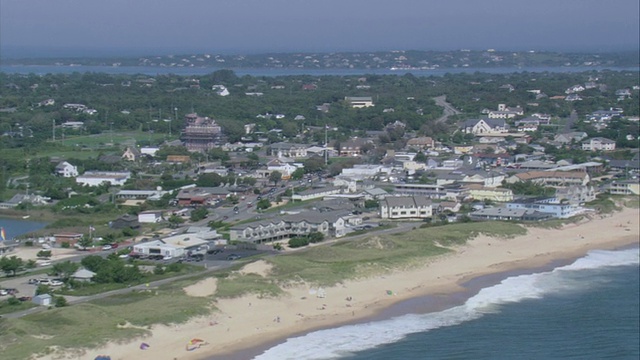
{"x":93,"y":324}
{"x":328,"y":265}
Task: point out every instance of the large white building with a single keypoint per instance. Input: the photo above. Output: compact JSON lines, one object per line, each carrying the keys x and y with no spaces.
{"x":599,"y":144}
{"x":174,"y":246}
{"x":96,"y":178}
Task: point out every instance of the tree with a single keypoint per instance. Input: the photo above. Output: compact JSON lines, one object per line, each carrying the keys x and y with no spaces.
{"x":316,"y":237}
{"x":199,"y":214}
{"x":420,"y":157}
{"x":93,"y":262}
{"x":60,"y":301}
{"x":275,"y":177}
{"x":313,"y":164}
{"x":175,"y":221}
{"x":263,"y":204}
{"x":297,"y":174}
{"x":11,"y":265}
{"x":371,"y":204}
{"x":84,"y":243}
{"x":65,"y":269}
{"x":43,"y":289}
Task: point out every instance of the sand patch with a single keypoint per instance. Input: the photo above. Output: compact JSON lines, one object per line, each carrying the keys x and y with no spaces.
{"x":206,"y":287}
{"x":259,"y":267}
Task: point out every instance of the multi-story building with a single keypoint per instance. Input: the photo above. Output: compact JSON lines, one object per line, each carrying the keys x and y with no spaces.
{"x":552,"y":178}
{"x":625,"y":187}
{"x":201,"y":133}
{"x":405,"y":207}
{"x":599,"y":144}
{"x":330,"y":224}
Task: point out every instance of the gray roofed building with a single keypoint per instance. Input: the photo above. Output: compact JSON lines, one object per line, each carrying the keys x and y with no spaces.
{"x":405,"y":207}
{"x":330,"y":223}
{"x":503,"y":213}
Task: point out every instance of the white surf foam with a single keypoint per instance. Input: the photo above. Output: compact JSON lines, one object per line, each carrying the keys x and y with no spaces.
{"x":337,"y":342}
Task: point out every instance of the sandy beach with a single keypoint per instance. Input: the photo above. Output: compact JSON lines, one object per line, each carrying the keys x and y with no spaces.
{"x":249,"y":321}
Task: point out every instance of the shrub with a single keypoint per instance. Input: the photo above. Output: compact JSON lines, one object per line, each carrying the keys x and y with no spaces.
{"x":60,"y":301}
{"x":298,"y":242}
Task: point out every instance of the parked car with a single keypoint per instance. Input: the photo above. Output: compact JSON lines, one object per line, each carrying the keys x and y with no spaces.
{"x":55,"y":282}
{"x":24,"y":298}
{"x":233,"y":257}
{"x":214,"y":251}
{"x":33,"y":281}
{"x":168,"y":257}
{"x":3,"y":292}
{"x":44,"y":263}
{"x":107,"y":247}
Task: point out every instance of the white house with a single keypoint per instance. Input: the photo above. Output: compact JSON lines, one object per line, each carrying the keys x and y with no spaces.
{"x":505,"y":112}
{"x":599,"y":143}
{"x":66,"y":170}
{"x":150,"y":217}
{"x":359,"y":102}
{"x":485,"y":126}
{"x":96,"y":178}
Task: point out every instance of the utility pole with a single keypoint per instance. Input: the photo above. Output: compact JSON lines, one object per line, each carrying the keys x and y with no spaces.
{"x":53,"y":127}
{"x":326,"y":146}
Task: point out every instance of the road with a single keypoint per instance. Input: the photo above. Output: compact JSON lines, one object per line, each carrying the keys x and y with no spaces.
{"x":448,"y":109}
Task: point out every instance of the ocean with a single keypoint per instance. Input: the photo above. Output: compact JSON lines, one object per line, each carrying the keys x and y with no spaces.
{"x":589,"y":309}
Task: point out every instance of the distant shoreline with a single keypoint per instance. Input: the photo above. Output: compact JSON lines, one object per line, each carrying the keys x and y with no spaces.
{"x":272,"y":72}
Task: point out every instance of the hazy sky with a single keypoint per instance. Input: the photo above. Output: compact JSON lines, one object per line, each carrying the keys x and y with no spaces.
{"x":253,"y":26}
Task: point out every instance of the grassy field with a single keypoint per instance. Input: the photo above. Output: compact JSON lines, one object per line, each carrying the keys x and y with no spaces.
{"x":93,"y":324}
{"x":328,"y":265}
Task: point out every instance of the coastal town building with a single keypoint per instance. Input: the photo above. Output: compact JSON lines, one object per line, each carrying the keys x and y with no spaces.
{"x":65,"y":169}
{"x":505,"y":112}
{"x":330,"y":224}
{"x":599,"y":144}
{"x":485,"y":126}
{"x":552,"y":178}
{"x":201,"y":133}
{"x":405,"y":207}
{"x":97,"y":178}
{"x":359,"y":101}
{"x":625,"y":187}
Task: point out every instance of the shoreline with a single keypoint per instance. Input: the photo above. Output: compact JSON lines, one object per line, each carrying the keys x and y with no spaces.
{"x":427,"y":302}
{"x":245,"y":327}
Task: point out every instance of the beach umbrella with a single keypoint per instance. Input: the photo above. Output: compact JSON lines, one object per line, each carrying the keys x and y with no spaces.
{"x":103,"y":357}
{"x":144,"y":346}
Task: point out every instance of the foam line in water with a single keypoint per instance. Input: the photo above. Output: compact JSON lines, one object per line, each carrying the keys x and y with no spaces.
{"x":336,"y":342}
